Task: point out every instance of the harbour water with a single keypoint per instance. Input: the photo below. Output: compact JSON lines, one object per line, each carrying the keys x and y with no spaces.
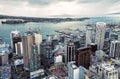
{"x":49,"y":28}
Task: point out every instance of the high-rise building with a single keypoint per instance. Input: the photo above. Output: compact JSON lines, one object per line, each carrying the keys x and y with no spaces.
{"x":4,"y":52}
{"x":114,"y":36}
{"x":107,"y":33}
{"x":46,"y":49}
{"x":62,"y":38}
{"x":73,"y":71}
{"x":70,"y":52}
{"x":83,"y":57}
{"x":114,"y":49}
{"x":19,"y":48}
{"x":100,"y":35}
{"x":83,"y":73}
{"x":35,"y":58}
{"x":90,"y":35}
{"x":15,"y":37}
{"x":54,"y":43}
{"x":38,"y":40}
{"x":28,"y":39}
{"x":5,"y":67}
{"x":3,"y":58}
{"x":93,"y":47}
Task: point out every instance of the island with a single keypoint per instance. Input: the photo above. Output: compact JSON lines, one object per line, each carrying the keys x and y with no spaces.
{"x":36,"y":19}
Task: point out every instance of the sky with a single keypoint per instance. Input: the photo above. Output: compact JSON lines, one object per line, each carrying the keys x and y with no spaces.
{"x":57,"y":8}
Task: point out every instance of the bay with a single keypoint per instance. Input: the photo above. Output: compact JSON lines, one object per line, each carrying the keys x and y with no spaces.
{"x":49,"y":28}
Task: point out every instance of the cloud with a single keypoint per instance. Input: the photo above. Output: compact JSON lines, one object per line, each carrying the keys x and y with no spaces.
{"x":34,"y":2}
{"x":95,"y":1}
{"x":115,"y":8}
{"x":45,"y":8}
{"x":46,"y":2}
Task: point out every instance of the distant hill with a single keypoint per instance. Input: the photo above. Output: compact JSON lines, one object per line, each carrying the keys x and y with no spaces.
{"x":116,"y":13}
{"x":63,"y":16}
{"x":37,"y":19}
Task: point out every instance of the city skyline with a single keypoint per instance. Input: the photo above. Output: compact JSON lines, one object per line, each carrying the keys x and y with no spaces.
{"x":59,"y":39}
{"x":59,"y":8}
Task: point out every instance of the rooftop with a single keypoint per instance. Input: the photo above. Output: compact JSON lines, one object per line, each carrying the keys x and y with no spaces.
{"x":59,"y":70}
{"x":101,"y":23}
{"x":15,"y":32}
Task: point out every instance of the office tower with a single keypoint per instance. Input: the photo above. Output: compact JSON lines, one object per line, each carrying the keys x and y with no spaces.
{"x":15,"y":37}
{"x":107,"y":33}
{"x":70,"y":52}
{"x":54,"y":40}
{"x":35,"y":58}
{"x":5,"y":68}
{"x":100,"y":34}
{"x":38,"y":40}
{"x":19,"y":48}
{"x":115,"y":49}
{"x":46,"y":49}
{"x":90,"y":35}
{"x":47,"y":57}
{"x":62,"y":38}
{"x":83,"y":73}
{"x":83,"y":57}
{"x":93,"y":48}
{"x":54,"y":43}
{"x":28,"y":39}
{"x":3,"y":58}
{"x":73,"y":71}
{"x":114,"y":36}
{"x":4,"y":52}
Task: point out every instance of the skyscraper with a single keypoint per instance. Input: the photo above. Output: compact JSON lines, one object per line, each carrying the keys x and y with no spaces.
{"x":30,"y":51}
{"x":89,"y":35}
{"x":107,"y":33}
{"x":100,"y":34}
{"x":115,"y":49}
{"x":83,"y":57}
{"x":38,"y":40}
{"x":19,"y":48}
{"x":46,"y":49}
{"x":35,"y":58}
{"x":15,"y":37}
{"x":93,"y":48}
{"x":73,"y":71}
{"x":27,"y":41}
{"x":70,"y":52}
{"x":4,"y":52}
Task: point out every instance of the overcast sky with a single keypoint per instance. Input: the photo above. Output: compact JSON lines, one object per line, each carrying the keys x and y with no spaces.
{"x":47,"y":8}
